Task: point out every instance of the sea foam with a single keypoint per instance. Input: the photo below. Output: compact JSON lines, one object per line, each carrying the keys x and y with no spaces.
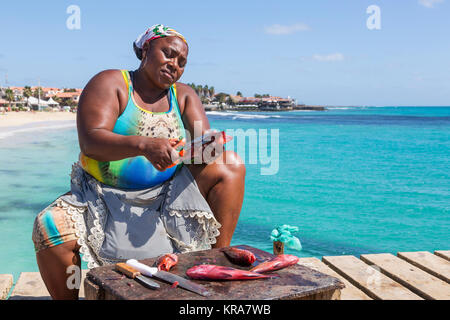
{"x":8,"y":132}
{"x":238,"y":115}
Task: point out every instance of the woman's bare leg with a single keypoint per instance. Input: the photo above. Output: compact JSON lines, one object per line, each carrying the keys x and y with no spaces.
{"x":222,"y":184}
{"x":53,"y":265}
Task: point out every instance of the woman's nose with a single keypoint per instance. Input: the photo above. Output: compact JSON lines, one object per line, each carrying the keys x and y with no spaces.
{"x":171,"y":65}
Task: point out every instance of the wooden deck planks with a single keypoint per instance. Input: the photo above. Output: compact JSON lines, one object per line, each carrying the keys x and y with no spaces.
{"x":6,"y":282}
{"x":368,"y":279}
{"x":415,"y":279}
{"x":30,"y":286}
{"x":350,"y":292}
{"x":443,"y":254}
{"x":433,"y":264}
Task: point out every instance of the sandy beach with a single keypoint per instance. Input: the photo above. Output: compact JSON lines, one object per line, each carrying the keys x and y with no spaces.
{"x":14,"y":119}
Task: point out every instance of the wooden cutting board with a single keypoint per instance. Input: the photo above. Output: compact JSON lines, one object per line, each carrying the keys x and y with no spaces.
{"x":294,"y":282}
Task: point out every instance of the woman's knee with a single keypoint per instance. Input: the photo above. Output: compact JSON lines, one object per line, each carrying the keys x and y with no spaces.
{"x":233,"y":165}
{"x":228,"y":168}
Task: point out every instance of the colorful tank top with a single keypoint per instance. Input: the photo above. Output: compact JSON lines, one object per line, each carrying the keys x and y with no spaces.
{"x":138,"y":172}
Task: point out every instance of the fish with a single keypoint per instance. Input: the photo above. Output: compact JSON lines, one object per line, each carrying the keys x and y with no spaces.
{"x":215,"y":272}
{"x":239,"y":256}
{"x":279,"y":262}
{"x":167,"y":261}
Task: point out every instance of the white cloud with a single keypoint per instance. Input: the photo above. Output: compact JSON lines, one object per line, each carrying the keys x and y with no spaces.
{"x":430,"y":3}
{"x":278,"y":29}
{"x":329,"y":57}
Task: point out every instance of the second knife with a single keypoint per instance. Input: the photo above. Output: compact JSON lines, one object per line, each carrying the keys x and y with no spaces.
{"x":135,"y":274}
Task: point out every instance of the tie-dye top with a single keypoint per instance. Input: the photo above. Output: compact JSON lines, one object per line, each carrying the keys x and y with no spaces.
{"x":138,"y":172}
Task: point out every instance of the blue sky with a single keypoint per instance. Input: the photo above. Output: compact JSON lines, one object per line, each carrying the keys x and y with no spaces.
{"x":319,"y":52}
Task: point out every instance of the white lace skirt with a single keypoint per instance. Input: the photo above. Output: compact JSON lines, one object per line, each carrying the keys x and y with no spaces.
{"x":112,"y":225}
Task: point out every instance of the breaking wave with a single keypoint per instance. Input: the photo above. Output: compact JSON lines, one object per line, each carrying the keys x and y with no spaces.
{"x":9,"y":133}
{"x":238,"y":115}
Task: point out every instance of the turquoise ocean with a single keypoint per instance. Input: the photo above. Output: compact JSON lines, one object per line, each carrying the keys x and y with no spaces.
{"x":353,"y":180}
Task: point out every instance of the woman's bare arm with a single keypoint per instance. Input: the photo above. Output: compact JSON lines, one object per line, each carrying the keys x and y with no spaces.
{"x":192,"y":110}
{"x":98,"y":110}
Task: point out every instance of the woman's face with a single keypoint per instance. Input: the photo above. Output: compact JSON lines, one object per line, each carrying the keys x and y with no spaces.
{"x":163,"y":60}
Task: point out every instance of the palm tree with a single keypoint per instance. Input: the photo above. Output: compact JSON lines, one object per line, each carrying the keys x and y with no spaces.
{"x":204,"y":100}
{"x":211,"y":91}
{"x":38,"y":92}
{"x":9,"y":95}
{"x":229,"y":101}
{"x":27,"y":92}
{"x":222,"y":97}
{"x":199,"y":90}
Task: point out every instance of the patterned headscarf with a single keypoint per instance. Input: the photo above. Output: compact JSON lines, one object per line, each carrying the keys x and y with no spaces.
{"x":154,"y":32}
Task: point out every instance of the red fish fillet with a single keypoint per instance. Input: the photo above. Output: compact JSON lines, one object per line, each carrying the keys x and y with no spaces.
{"x":239,"y":256}
{"x":277,"y":263}
{"x":167,"y":261}
{"x":214,"y":272}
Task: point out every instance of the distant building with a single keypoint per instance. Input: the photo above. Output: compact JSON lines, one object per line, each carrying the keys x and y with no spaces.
{"x":264,"y":103}
{"x":235,"y":99}
{"x":37,"y":104}
{"x":18,"y":92}
{"x":75,"y":96}
{"x":47,"y":96}
{"x":212,"y":106}
{"x":51,"y":92}
{"x":276,"y":103}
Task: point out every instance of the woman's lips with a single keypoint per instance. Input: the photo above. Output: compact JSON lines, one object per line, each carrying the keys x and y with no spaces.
{"x":167,"y":75}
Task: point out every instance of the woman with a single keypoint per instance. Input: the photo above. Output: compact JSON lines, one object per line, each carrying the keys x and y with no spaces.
{"x":127,"y":199}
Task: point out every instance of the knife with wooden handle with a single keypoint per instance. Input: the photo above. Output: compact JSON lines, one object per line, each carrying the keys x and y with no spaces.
{"x":167,"y":276}
{"x":136,"y":275}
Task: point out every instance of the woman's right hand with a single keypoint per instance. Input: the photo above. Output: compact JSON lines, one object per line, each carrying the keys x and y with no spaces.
{"x":159,"y":151}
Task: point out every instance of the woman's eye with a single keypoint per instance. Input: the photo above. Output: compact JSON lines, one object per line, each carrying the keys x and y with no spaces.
{"x":166,"y":52}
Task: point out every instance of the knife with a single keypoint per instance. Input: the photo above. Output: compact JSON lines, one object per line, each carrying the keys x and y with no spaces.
{"x":167,"y":276}
{"x":136,"y":275}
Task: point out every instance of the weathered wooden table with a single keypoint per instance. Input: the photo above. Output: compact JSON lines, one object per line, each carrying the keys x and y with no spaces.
{"x":294,"y":283}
